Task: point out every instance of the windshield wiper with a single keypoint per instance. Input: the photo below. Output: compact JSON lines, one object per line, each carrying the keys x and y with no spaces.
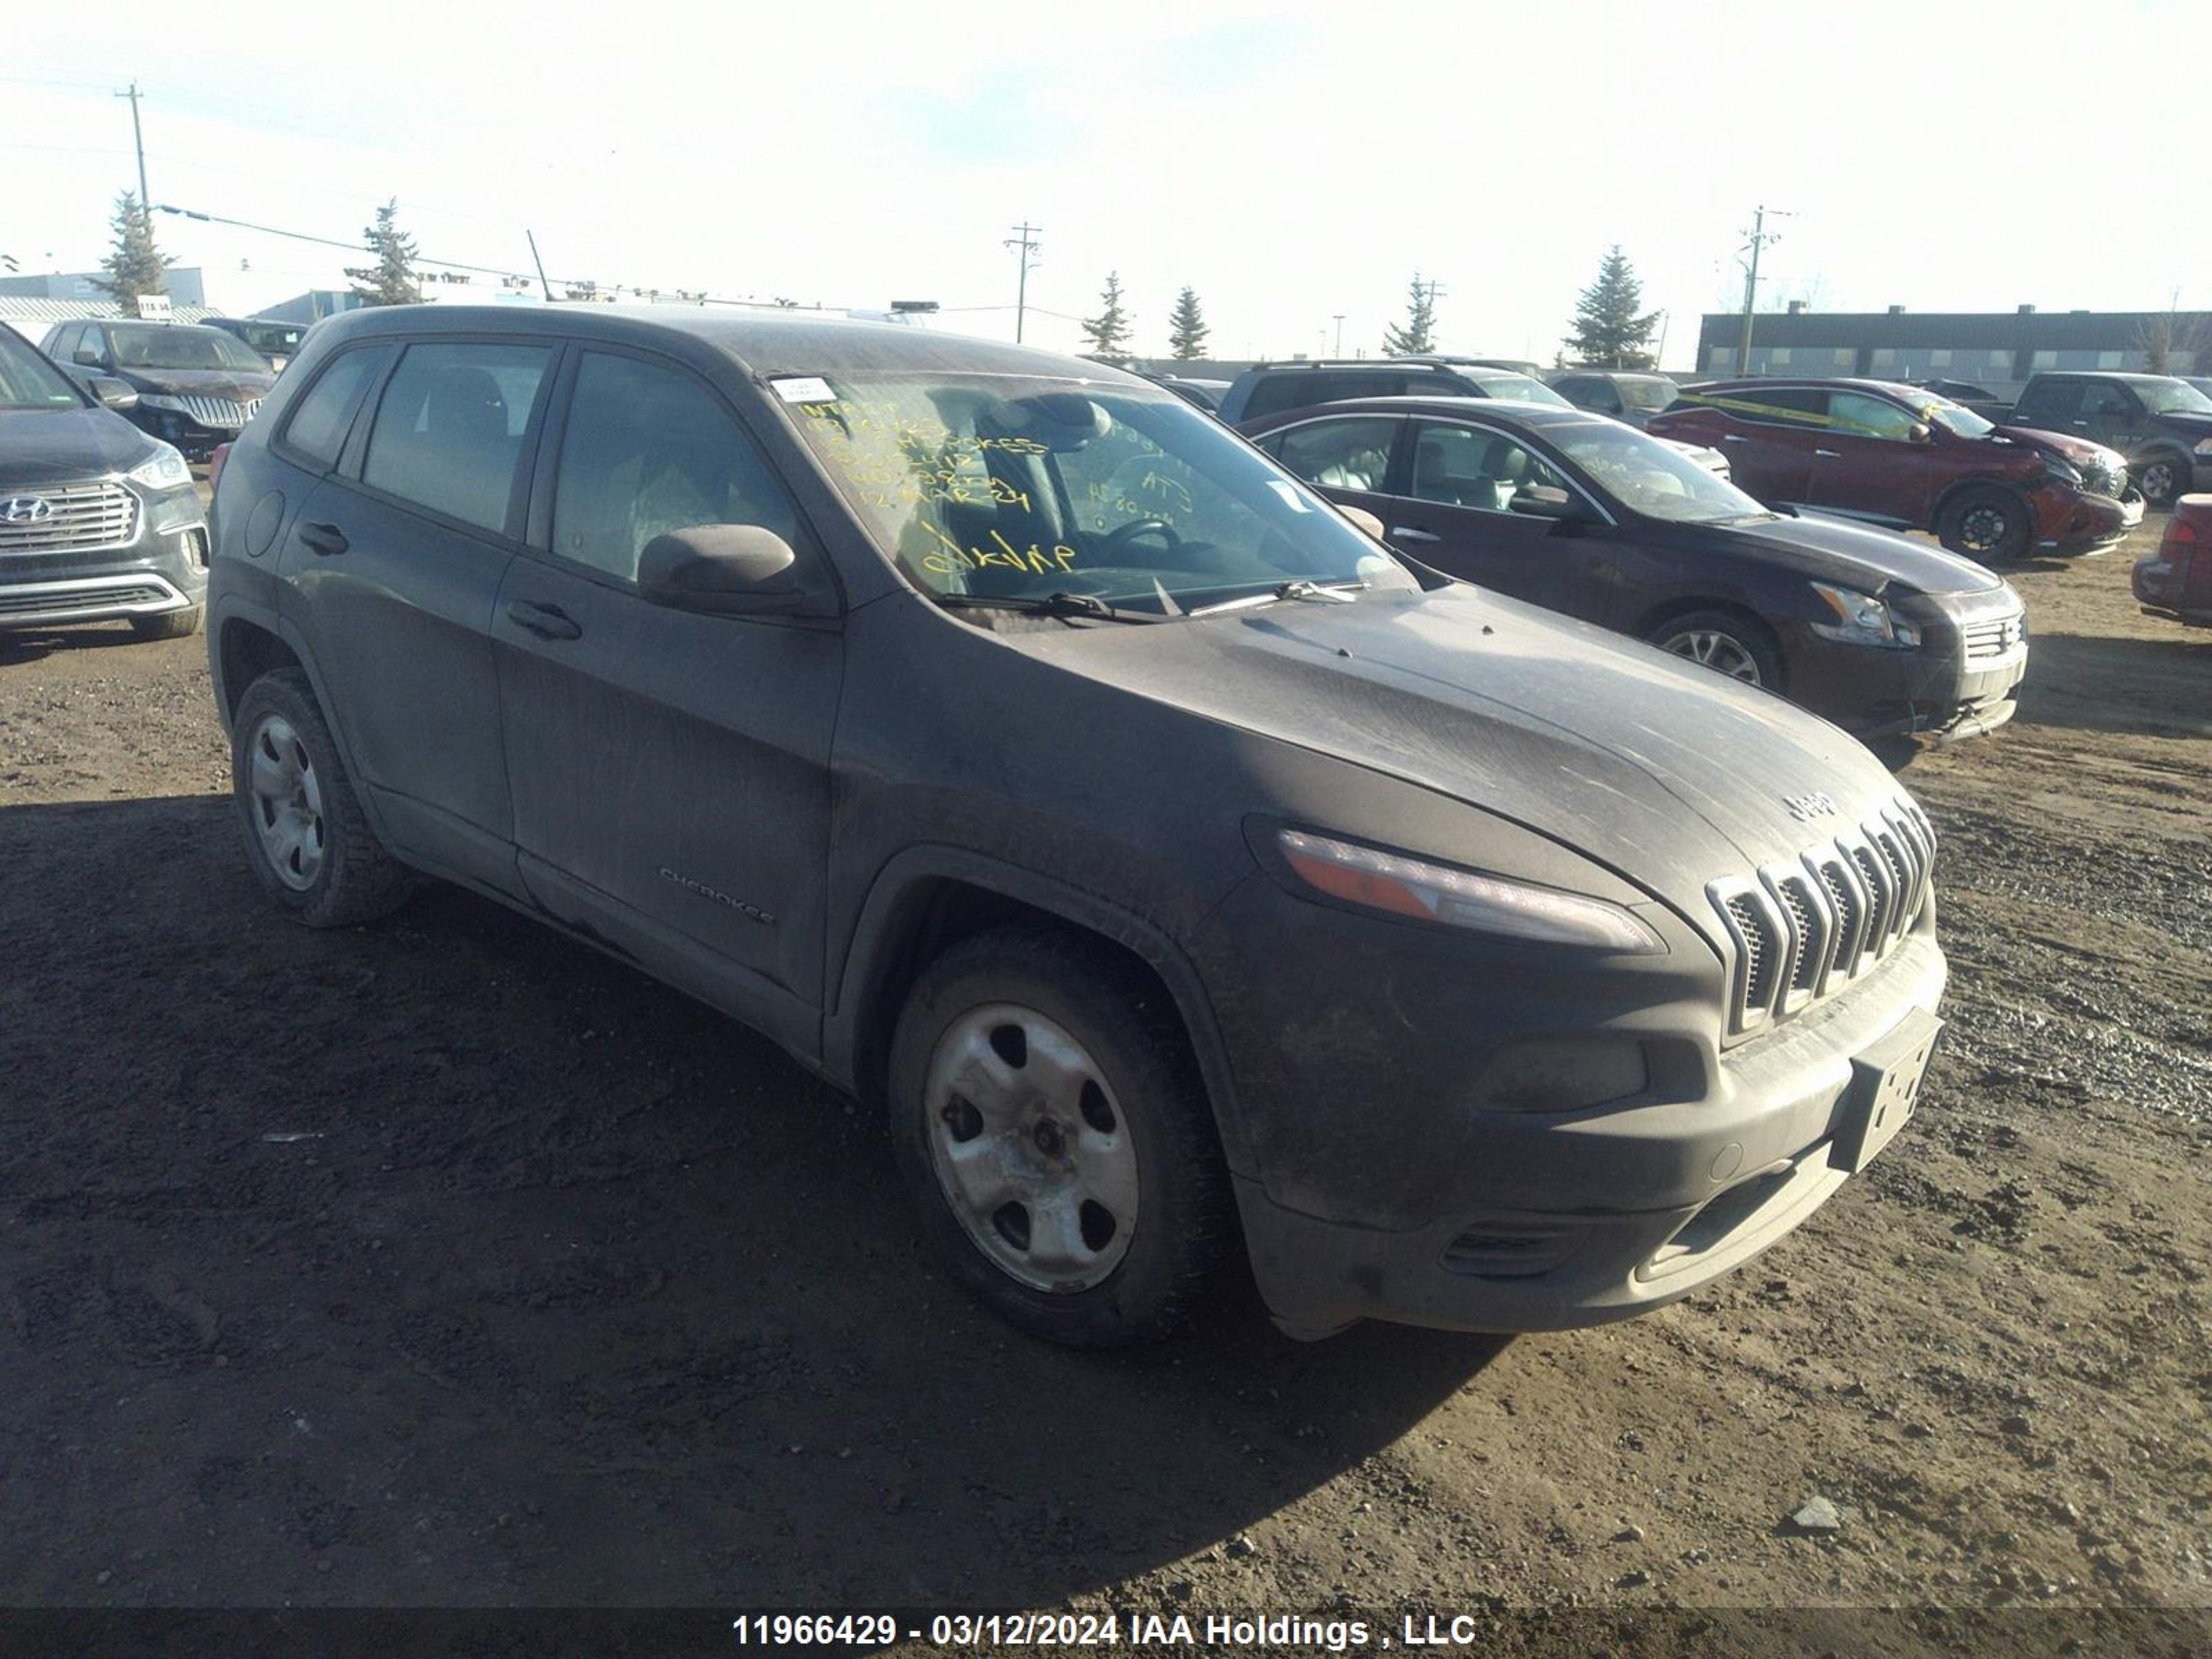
{"x":1299,"y":588}
{"x":1065,"y":605}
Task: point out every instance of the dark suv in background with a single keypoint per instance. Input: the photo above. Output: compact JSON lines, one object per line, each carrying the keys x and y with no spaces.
{"x":1271,"y":388}
{"x":277,"y":342}
{"x":98,"y":522}
{"x":2161,"y":422}
{"x":1907,"y":459}
{"x":1024,"y":750}
{"x":197,"y":387}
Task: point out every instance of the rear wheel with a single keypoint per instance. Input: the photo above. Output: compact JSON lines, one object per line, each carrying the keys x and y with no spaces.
{"x":1988,"y":525}
{"x":306,"y":835}
{"x":1725,"y":642}
{"x":2164,"y":479}
{"x":169,"y":625}
{"x":1053,"y":1131}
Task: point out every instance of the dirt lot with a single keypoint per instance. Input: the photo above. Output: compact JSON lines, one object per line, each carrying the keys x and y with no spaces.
{"x":445,"y":1262}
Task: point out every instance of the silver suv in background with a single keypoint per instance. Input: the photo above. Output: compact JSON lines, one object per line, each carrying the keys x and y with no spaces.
{"x":97,"y":521}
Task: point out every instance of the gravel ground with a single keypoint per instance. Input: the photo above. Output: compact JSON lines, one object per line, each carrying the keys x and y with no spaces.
{"x":447,"y":1263}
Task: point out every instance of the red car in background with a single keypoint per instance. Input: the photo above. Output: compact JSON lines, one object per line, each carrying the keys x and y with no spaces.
{"x":2176,"y":581}
{"x":1908,"y":459}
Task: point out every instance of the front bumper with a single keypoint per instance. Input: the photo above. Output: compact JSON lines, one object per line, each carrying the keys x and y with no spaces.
{"x":1384,"y":1184}
{"x":2070,"y":521}
{"x":1952,"y":687}
{"x":162,"y":567}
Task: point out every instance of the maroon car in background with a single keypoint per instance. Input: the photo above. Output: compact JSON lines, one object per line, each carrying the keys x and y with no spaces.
{"x":2176,"y":581}
{"x":1908,"y":459}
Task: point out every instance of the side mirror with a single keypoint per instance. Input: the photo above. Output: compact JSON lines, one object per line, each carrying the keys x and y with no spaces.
{"x":721,"y":570}
{"x":1364,"y":521}
{"x":85,"y":356}
{"x":1546,"y":501}
{"x":117,"y":395}
{"x":1922,"y":433}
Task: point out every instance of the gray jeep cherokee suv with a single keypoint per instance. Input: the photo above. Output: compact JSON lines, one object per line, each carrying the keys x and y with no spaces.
{"x":1188,"y":876}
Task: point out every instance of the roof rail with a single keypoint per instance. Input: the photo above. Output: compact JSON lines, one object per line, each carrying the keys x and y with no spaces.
{"x":1351,"y":362}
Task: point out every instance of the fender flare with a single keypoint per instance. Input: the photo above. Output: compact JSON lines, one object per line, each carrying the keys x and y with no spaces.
{"x":885,"y":916}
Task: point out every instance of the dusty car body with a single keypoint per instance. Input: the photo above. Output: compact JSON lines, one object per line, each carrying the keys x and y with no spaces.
{"x":1026,"y":753}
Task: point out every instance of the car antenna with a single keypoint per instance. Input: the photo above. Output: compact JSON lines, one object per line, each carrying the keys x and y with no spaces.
{"x":532,"y":237}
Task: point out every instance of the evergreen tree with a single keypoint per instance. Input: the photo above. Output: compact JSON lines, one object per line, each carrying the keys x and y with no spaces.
{"x":1109,"y":329}
{"x":134,"y":265}
{"x":1610,"y":332}
{"x":390,"y":279}
{"x":1187,"y":328}
{"x":1418,"y":334}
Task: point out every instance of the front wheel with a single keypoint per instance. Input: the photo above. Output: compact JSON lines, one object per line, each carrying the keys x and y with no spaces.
{"x":1729,"y":644}
{"x":1991,"y":526}
{"x":2164,"y":480}
{"x":1054,"y":1133}
{"x":168,"y":624}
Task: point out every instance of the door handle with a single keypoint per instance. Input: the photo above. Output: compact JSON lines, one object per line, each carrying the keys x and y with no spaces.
{"x":548,"y":621}
{"x":1407,"y":533}
{"x":1734,"y":438}
{"x":1826,"y":455}
{"x":326,"y":540}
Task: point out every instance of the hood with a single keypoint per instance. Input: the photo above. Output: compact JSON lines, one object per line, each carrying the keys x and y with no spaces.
{"x":2186,"y":423}
{"x":62,"y":445}
{"x":2063,"y":444}
{"x":1858,"y":556}
{"x":239,"y":385}
{"x":1665,"y":773}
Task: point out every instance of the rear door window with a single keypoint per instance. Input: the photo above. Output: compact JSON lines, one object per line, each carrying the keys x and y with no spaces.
{"x":1352,"y":453}
{"x":649,"y":449}
{"x":2049,"y":400}
{"x":320,"y":420}
{"x":449,"y":429}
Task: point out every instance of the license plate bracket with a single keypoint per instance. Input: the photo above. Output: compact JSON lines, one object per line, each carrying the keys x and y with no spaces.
{"x":1885,"y":1089}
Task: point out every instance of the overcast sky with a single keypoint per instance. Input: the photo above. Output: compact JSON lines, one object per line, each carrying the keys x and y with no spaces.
{"x":1291,"y":161}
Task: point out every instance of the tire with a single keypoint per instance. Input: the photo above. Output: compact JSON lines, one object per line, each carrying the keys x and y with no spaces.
{"x":1069,"y":1074}
{"x":1987,"y":525}
{"x":2164,"y":479}
{"x":310,"y":845}
{"x":1727,"y":642}
{"x":169,"y":625}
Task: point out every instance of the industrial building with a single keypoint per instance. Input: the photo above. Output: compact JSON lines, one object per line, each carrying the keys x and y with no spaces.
{"x":1996,"y":350}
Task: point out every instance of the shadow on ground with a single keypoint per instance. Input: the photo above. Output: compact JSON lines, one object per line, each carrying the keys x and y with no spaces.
{"x":445,"y":1262}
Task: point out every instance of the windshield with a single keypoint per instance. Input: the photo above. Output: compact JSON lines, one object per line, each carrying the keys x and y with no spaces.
{"x":27,"y":380}
{"x":1955,"y":418}
{"x":1495,"y":385}
{"x":1027,"y":486}
{"x":152,"y":345}
{"x":1651,"y":477}
{"x":1654,"y":393}
{"x":2172,"y":397}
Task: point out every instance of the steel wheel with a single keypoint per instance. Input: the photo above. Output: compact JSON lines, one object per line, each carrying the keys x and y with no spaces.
{"x":1722,"y":653}
{"x":1029,"y":1148}
{"x":288,"y":803}
{"x":1984,"y":528}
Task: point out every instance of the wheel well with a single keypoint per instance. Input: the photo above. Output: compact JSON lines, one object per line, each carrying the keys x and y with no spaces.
{"x":249,"y":651}
{"x":1968,"y":486}
{"x":929,"y":919}
{"x":1674,"y":608}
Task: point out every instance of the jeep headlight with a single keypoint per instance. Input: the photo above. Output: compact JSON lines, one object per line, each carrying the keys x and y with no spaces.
{"x":1399,"y":884}
{"x":1863,"y":619}
{"x":164,"y":469}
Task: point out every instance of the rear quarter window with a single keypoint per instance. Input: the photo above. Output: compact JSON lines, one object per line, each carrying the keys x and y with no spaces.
{"x":317,"y":428}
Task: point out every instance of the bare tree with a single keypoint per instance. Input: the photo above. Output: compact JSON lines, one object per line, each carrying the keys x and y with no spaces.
{"x":2166,"y":336}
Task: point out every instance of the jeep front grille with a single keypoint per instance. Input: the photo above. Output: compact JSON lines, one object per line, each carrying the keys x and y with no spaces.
{"x":1804,"y":928}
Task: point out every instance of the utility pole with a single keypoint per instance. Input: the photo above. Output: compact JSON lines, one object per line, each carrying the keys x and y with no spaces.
{"x":1338,"y":317}
{"x":138,"y":140}
{"x":1761,"y":236}
{"x":1025,"y":243}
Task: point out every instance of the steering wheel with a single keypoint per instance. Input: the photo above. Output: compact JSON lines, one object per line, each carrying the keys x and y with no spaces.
{"x":1118,"y":539}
